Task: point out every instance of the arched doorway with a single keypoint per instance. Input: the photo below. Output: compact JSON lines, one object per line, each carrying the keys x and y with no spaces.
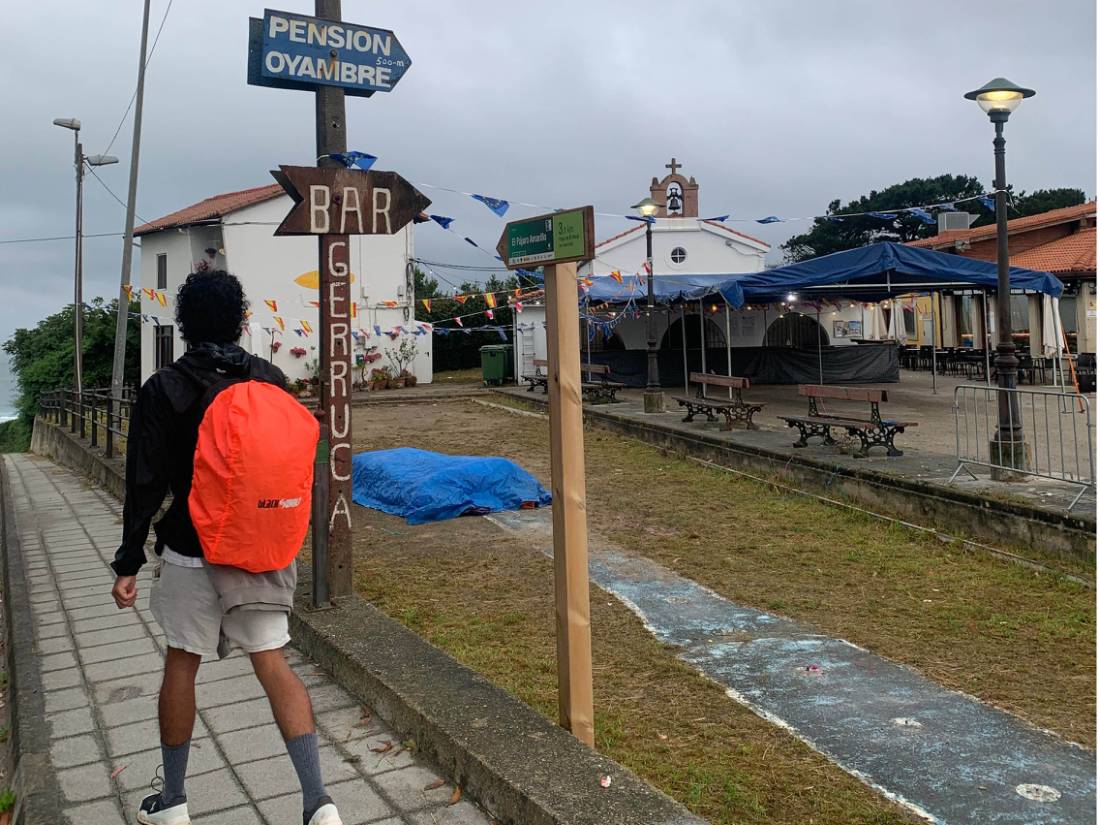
{"x":675,"y":334}
{"x":796,"y":331}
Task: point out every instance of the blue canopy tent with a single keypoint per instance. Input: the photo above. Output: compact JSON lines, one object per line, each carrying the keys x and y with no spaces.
{"x":878,"y":271}
{"x":871,"y":273}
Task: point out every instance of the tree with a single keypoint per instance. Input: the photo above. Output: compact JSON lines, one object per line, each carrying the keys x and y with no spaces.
{"x":827,"y":236}
{"x":42,"y":357}
{"x":833,"y":235}
{"x":458,"y":350}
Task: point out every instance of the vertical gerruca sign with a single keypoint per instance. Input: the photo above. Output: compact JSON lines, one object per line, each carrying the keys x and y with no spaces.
{"x":334,"y":204}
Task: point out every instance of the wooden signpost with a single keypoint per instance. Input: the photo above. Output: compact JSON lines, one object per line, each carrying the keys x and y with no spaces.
{"x":558,"y":241}
{"x":331,"y":58}
{"x":334,"y":203}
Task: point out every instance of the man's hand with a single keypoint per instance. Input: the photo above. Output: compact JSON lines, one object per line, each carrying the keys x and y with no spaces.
{"x":125,"y":591}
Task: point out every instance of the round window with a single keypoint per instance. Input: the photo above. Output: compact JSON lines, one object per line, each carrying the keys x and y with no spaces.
{"x":679,"y":255}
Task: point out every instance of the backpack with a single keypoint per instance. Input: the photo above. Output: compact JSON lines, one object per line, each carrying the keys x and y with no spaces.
{"x":253,"y":474}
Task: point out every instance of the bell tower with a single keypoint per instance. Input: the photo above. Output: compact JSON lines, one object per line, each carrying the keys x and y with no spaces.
{"x":677,"y":195}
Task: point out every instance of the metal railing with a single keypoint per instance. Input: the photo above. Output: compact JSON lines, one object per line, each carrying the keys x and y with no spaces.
{"x":1057,"y":428}
{"x":93,"y":413}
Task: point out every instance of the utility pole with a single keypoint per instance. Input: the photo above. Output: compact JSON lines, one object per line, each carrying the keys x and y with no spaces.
{"x":123,"y":318}
{"x":78,"y":274}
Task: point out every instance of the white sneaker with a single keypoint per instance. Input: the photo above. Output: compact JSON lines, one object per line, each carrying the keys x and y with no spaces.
{"x":326,"y":815}
{"x":150,"y":812}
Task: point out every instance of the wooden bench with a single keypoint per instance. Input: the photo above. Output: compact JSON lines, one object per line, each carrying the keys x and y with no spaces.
{"x":538,"y":378}
{"x":874,"y":431}
{"x":599,"y":388}
{"x":734,"y":409}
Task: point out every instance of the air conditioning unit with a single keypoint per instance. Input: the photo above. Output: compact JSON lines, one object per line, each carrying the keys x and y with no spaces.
{"x":953,"y":221}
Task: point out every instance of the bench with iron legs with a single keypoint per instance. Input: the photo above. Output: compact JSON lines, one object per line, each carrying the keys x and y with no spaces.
{"x":874,"y":431}
{"x":538,"y":378}
{"x":599,"y":388}
{"x":733,"y":409}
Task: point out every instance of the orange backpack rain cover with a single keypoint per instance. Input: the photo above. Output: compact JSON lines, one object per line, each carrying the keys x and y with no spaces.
{"x":250,"y":492}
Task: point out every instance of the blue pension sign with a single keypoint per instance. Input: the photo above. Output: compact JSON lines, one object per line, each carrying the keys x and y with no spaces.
{"x":289,"y":50}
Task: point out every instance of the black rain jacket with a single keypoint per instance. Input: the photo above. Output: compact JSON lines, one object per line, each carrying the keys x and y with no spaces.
{"x":160,"y":449}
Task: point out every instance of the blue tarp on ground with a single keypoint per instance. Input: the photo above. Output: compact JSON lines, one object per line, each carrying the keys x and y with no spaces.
{"x":423,"y":486}
{"x":869,"y":273}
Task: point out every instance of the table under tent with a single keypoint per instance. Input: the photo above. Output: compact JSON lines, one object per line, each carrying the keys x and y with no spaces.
{"x":767,"y":326}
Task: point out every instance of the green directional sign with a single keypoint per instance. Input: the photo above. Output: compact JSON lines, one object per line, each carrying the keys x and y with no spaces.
{"x":560,"y":237}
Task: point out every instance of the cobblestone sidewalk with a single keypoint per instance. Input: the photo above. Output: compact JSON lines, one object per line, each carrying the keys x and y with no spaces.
{"x":101,"y":670}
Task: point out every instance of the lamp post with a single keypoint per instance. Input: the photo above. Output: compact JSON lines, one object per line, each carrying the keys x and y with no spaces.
{"x":999,"y":98}
{"x":653,"y":400}
{"x":79,"y":159}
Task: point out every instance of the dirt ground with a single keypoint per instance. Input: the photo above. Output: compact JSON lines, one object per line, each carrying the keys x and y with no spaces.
{"x":1018,"y":639}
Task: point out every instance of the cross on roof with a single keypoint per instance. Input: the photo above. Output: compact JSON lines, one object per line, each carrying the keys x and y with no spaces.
{"x":673,"y":166}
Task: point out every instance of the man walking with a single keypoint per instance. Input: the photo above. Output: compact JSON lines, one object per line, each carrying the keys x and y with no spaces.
{"x":205,"y":609}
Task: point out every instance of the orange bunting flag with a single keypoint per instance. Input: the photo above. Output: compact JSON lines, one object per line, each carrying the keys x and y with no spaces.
{"x":162,"y":299}
{"x":306,"y":327}
{"x":490,"y":300}
{"x":616,"y":276}
{"x":354,"y":310}
{"x":519,"y":292}
{"x":427,"y":302}
{"x":280,"y":322}
{"x":458,"y":321}
{"x":272,"y":304}
{"x":316,"y":304}
{"x":390,"y":304}
{"x":151,"y":294}
{"x":129,"y":290}
{"x":586,"y":281}
{"x":461,"y":298}
{"x":248,"y":313}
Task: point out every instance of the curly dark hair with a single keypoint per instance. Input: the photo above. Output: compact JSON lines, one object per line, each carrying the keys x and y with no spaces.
{"x":210,"y":308}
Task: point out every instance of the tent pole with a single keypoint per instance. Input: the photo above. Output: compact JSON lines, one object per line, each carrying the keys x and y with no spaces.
{"x":684,"y":341}
{"x":703,"y":336}
{"x":588,"y":328}
{"x":729,"y":348}
{"x":933,"y":297}
{"x":985,"y":336}
{"x":820,"y":373}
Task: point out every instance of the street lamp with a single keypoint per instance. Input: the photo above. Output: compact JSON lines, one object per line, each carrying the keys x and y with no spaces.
{"x":999,"y":98}
{"x":653,"y":400}
{"x":79,"y":159}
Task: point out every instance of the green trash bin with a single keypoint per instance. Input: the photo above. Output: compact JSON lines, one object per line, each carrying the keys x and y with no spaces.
{"x":496,"y":364}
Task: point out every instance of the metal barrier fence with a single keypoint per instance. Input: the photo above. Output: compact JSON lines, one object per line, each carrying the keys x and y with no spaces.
{"x":1057,"y":428}
{"x":94,"y":412}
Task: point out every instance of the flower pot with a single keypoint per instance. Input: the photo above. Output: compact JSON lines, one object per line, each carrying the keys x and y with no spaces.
{"x":397,"y":383}
{"x":410,"y":380}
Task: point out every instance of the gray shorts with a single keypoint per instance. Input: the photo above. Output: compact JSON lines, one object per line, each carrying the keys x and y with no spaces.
{"x":186,"y":606}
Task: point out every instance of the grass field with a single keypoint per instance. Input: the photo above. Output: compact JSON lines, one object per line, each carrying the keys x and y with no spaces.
{"x":1019,"y":639}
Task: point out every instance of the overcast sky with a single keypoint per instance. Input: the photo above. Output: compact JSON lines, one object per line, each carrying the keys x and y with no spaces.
{"x":775,"y":106}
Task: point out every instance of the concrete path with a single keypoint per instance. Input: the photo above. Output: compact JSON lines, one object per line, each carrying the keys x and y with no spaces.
{"x":943,"y":754}
{"x":100,"y":672}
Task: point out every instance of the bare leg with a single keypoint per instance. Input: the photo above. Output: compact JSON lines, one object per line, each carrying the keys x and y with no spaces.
{"x":176,"y":707}
{"x":288,"y":697}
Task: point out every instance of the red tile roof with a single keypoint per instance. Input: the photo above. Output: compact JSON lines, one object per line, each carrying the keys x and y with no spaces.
{"x":735,"y":232}
{"x":1074,"y":253}
{"x":215,"y":207}
{"x":1030,"y":222}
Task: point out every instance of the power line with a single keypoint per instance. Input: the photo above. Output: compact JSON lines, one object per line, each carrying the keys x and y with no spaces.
{"x":61,"y":238}
{"x":121,"y":202}
{"x":133,"y":97}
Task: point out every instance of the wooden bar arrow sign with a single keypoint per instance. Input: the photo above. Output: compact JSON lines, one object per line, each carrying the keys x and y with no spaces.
{"x":333,"y":201}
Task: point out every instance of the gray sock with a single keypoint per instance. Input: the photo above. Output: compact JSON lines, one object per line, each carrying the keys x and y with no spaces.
{"x":174,"y":758}
{"x":307,"y":763}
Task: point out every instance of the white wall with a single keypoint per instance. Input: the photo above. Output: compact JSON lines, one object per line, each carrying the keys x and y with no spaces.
{"x":711,"y":250}
{"x":268,"y":268}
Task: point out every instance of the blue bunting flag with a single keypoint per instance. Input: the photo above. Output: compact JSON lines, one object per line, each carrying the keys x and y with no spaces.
{"x":883,"y":216}
{"x":769,"y":219}
{"x":497,"y":206}
{"x":442,"y":220}
{"x":988,"y":203}
{"x":923,"y":215}
{"x":359,"y":160}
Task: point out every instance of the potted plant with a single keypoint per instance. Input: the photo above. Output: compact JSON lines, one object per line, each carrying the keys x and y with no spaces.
{"x":298,"y":352}
{"x":379,"y":378}
{"x":400,"y":357}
